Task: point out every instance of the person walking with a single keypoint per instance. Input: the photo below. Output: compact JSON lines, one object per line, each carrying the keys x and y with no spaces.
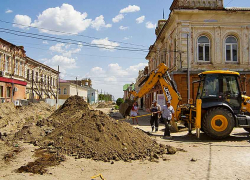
{"x":167,"y":114}
{"x":155,"y":110}
{"x":134,"y":113}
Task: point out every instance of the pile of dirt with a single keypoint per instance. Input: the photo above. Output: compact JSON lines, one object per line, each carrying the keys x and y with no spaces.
{"x":104,"y":105}
{"x":12,"y":119}
{"x":86,"y":133}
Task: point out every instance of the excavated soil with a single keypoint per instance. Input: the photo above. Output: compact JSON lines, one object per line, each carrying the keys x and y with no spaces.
{"x":104,"y":105}
{"x":86,"y":133}
{"x":13,"y":120}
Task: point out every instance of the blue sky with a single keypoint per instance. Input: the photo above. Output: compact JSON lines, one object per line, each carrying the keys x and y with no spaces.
{"x":108,"y":68}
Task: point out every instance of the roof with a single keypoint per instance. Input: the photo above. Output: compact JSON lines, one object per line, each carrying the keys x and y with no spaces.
{"x":220,"y":72}
{"x":125,"y":87}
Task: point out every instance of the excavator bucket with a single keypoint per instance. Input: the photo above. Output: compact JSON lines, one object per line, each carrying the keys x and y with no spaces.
{"x":126,"y":107}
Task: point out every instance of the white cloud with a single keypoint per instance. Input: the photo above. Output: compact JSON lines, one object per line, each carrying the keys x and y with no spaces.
{"x":64,"y":63}
{"x":105,"y":44}
{"x":118,"y":18}
{"x":65,"y":49}
{"x":64,"y":18}
{"x":112,"y":78}
{"x":130,"y":9}
{"x":140,"y":19}
{"x":127,"y":38}
{"x":8,"y":11}
{"x":45,"y":42}
{"x":23,"y":20}
{"x":99,"y":23}
{"x":150,"y":25}
{"x":123,"y":28}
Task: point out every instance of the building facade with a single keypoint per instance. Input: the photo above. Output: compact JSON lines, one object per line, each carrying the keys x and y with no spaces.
{"x":92,"y":95}
{"x":16,"y":72}
{"x":140,"y":81}
{"x":44,"y":84}
{"x":68,"y":89}
{"x":201,"y":35}
{"x":12,"y":72}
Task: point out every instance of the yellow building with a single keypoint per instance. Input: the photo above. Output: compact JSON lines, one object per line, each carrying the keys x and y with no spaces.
{"x":201,"y":35}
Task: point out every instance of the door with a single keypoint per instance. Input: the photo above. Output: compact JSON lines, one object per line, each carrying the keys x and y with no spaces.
{"x":231,"y":92}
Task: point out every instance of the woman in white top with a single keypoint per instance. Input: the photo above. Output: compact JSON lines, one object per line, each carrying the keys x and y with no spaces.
{"x":134,"y":113}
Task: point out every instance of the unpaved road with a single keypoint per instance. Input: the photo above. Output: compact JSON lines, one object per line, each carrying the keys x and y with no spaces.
{"x":203,"y":159}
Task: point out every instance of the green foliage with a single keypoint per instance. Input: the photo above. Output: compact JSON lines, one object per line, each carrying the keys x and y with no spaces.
{"x":119,"y":101}
{"x":105,"y":97}
{"x":116,"y":107}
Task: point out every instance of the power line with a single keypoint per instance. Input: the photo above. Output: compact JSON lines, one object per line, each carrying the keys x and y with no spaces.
{"x":60,"y":40}
{"x":91,"y":37}
{"x":81,"y":54}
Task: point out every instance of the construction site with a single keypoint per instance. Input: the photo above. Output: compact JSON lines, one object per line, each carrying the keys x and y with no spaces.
{"x":108,"y":90}
{"x":78,"y":141}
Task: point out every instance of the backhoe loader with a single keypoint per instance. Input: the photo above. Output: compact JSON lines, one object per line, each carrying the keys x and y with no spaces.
{"x":219,"y":106}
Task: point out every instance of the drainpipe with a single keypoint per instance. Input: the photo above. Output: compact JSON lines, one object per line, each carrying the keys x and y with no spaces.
{"x":188,"y":68}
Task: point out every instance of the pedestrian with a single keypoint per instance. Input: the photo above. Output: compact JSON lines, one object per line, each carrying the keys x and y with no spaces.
{"x":134,"y":112}
{"x":155,"y":110}
{"x":167,"y":114}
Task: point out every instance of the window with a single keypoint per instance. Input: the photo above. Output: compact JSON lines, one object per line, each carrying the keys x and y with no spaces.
{"x":92,"y":94}
{"x":1,"y":91}
{"x":64,"y":91}
{"x":8,"y":91}
{"x":1,"y":58}
{"x":59,"y":91}
{"x":21,"y":69}
{"x":16,"y":67}
{"x":28,"y":74}
{"x":36,"y":76}
{"x":7,"y":64}
{"x":45,"y":78}
{"x":231,"y":49}
{"x":203,"y":49}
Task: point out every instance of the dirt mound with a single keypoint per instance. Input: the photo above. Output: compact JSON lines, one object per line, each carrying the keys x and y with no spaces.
{"x":86,"y":133}
{"x":12,"y":119}
{"x":104,"y":105}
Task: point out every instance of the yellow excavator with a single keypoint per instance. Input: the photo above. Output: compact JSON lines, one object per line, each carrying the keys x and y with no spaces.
{"x":220,"y":104}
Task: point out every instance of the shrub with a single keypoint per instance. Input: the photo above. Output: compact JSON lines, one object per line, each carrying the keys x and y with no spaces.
{"x":119,"y":101}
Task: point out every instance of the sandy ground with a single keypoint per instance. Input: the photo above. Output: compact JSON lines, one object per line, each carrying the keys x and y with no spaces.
{"x":204,"y":159}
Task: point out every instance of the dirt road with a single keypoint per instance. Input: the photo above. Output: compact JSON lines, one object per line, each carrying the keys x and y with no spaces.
{"x":203,"y":159}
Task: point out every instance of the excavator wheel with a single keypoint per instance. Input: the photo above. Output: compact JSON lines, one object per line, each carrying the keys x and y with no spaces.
{"x":218,"y":123}
{"x":247,"y":129}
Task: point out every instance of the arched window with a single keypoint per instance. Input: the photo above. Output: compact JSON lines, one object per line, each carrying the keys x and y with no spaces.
{"x":231,"y":49}
{"x":64,"y":91}
{"x":203,"y":49}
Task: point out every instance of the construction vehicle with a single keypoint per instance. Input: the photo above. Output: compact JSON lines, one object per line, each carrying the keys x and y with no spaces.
{"x":219,"y":105}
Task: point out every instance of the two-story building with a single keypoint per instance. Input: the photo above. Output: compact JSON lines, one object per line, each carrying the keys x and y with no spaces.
{"x":201,"y":35}
{"x":16,"y":72}
{"x":12,"y":72}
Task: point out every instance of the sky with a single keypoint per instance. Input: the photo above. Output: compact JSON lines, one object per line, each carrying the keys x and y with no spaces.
{"x":105,"y":40}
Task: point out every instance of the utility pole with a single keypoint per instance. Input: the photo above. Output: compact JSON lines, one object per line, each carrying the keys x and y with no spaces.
{"x":57,"y":89}
{"x":32,"y":86}
{"x":76,"y":87}
{"x":188,"y":68}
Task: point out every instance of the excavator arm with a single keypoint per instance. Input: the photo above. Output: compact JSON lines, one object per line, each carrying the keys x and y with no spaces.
{"x":161,"y":75}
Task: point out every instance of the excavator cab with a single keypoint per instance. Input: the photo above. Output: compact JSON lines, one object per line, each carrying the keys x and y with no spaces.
{"x":222,"y":103}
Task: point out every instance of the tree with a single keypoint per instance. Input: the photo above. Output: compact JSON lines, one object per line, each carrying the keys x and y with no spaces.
{"x":119,"y":101}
